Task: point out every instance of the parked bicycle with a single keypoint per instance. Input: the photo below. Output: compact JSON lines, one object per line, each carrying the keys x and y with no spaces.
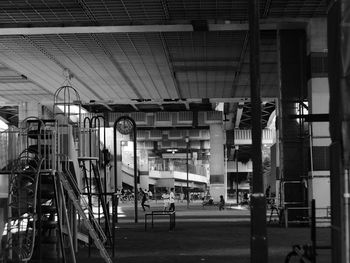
{"x":300,"y":254}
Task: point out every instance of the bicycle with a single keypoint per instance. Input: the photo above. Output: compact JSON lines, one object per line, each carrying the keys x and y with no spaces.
{"x":301,"y":254}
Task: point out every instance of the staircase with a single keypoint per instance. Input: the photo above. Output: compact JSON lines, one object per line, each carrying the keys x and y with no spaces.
{"x":95,"y":231}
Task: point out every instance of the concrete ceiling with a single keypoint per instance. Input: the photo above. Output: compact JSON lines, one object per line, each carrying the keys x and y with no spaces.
{"x":140,"y":54}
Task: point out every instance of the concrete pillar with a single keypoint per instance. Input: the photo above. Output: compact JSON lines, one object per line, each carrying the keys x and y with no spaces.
{"x":318,"y":97}
{"x":292,"y":134}
{"x":110,"y":146}
{"x":339,"y":112}
{"x":218,"y":176}
{"x":118,"y":165}
{"x":143,"y":167}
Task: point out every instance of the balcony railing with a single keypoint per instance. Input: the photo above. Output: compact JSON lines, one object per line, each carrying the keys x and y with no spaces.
{"x":181,"y":167}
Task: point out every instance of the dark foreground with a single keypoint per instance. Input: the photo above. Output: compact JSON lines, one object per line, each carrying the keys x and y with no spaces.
{"x":201,"y":235}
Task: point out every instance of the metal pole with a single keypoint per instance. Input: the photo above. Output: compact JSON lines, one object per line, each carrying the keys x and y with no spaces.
{"x":187,"y":187}
{"x":259,"y":252}
{"x":135,"y":158}
{"x":313,"y":230}
{"x":237,"y":176}
{"x":115,"y":160}
{"x":114,"y":220}
{"x":135,"y":170}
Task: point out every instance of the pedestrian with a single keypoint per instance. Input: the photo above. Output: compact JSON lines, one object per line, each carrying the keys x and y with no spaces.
{"x":150,"y":195}
{"x":172,"y":200}
{"x":165,"y":197}
{"x":267,"y":194}
{"x":221,"y":203}
{"x":144,"y":200}
{"x":267,"y":191}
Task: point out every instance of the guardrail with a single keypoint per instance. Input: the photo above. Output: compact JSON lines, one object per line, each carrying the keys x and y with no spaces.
{"x":319,"y":217}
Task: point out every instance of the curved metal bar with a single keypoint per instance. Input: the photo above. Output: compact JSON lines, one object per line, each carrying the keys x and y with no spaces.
{"x":84,"y":122}
{"x":95,"y":123}
{"x":104,"y":148}
{"x":64,"y":88}
{"x":66,"y":100}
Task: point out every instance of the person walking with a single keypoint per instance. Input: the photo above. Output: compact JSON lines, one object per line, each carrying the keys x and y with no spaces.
{"x":221,"y":203}
{"x":150,"y":195}
{"x":267,"y":194}
{"x":172,"y":200}
{"x":144,"y":200}
{"x":165,"y":197}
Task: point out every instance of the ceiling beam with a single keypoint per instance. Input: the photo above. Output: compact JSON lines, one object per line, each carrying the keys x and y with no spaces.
{"x":170,"y":65}
{"x":199,"y":59}
{"x":204,"y":68}
{"x":134,"y":103}
{"x":93,"y":29}
{"x":134,"y":106}
{"x":181,"y":26}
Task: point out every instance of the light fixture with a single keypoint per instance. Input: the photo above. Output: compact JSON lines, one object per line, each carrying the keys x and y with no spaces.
{"x":172,"y":150}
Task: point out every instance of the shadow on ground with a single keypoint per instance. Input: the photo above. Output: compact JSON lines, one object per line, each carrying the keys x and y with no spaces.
{"x":221,"y":237}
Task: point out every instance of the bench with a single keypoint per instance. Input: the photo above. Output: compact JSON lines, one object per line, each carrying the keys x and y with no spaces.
{"x":171,"y":215}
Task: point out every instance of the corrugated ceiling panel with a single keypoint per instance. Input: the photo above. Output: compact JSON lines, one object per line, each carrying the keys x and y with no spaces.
{"x":82,"y":55}
{"x":225,"y":9}
{"x":41,"y":11}
{"x":122,"y":11}
{"x":204,"y":62}
{"x":139,"y":66}
{"x":26,"y":88}
{"x":295,"y":8}
{"x":18,"y":54}
{"x":145,"y":63}
{"x":33,"y":60}
{"x":85,"y":58}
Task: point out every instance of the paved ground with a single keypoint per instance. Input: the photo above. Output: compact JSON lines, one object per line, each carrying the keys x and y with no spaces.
{"x":201,"y":235}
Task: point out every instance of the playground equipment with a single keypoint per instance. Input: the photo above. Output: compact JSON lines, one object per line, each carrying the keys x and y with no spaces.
{"x":49,"y":207}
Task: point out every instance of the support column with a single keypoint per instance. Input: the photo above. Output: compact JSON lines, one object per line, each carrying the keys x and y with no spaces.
{"x":144,"y":170}
{"x":318,"y":97}
{"x":258,"y":236}
{"x":118,"y":165}
{"x":339,"y":116}
{"x":218,"y":178}
{"x":293,"y":135}
{"x":118,"y":159}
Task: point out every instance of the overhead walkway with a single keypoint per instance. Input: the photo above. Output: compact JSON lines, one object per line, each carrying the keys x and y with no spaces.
{"x":178,"y":176}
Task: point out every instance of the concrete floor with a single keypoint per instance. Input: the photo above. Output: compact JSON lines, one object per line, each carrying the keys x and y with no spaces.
{"x":201,"y":235}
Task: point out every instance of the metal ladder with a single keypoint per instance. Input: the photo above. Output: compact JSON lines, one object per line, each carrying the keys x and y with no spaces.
{"x":99,"y":237}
